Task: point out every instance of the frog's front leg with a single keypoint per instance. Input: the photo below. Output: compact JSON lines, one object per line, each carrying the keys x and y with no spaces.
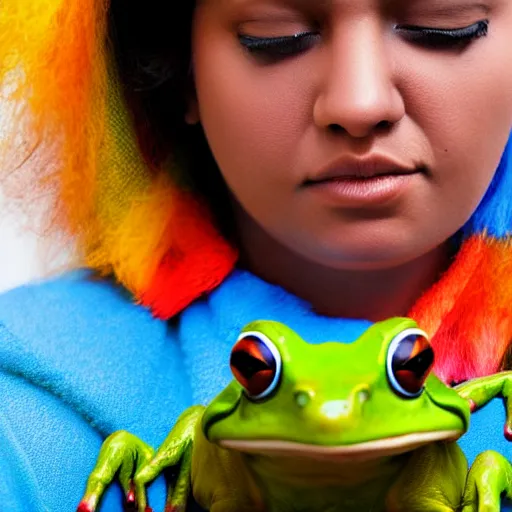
{"x":489,"y":478}
{"x":176,"y":450}
{"x":121,"y":452}
{"x":481,"y":390}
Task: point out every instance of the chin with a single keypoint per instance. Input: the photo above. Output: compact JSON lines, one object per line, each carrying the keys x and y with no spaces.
{"x":370,"y":252}
{"x":367,"y":260}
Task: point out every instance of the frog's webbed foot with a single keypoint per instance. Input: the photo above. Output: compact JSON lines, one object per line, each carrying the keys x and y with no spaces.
{"x":489,"y":478}
{"x":121,"y":454}
{"x":483,"y":389}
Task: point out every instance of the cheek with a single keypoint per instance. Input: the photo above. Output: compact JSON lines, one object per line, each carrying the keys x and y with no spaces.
{"x":254,"y":117}
{"x":463,"y":105}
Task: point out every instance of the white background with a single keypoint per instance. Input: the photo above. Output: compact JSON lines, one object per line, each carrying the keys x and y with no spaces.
{"x":24,"y":254}
{"x":22,"y":251}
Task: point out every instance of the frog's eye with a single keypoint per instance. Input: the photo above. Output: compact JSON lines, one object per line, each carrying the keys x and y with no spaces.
{"x":409,"y":361}
{"x":256,"y":364}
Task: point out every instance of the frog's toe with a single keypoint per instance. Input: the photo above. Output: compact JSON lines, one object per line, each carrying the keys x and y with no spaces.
{"x":508,"y":432}
{"x":131,"y":503}
{"x":85,"y":506}
{"x":130,"y":499}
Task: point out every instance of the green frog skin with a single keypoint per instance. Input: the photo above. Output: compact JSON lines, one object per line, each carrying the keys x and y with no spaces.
{"x":332,"y":427}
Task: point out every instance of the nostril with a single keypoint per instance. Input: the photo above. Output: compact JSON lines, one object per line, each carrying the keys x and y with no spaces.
{"x":336,"y":128}
{"x":383,"y":125}
{"x":302,"y":398}
{"x":363,"y":396}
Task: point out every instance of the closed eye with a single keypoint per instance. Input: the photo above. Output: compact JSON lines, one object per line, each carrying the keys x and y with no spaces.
{"x":272,"y":49}
{"x":440,"y":38}
{"x":278,"y":48}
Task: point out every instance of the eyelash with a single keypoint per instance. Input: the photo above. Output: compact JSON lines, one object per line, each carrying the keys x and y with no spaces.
{"x":276,"y":48}
{"x":279,"y":47}
{"x":444,"y":38}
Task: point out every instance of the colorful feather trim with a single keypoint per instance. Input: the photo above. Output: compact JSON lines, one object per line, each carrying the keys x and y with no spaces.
{"x":467,"y":313}
{"x":129,"y":220}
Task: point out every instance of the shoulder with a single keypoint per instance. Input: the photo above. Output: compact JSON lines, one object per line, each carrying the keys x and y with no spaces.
{"x":84,"y":340}
{"x":71,"y":302}
{"x":79,"y":360}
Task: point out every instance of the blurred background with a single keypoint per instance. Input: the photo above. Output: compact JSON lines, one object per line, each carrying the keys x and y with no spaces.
{"x":24,"y":254}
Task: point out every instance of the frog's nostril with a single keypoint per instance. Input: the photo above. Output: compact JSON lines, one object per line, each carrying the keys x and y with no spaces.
{"x":302,"y":398}
{"x":363,"y":396}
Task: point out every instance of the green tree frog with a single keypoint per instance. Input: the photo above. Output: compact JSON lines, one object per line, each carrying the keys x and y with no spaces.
{"x":352,"y":427}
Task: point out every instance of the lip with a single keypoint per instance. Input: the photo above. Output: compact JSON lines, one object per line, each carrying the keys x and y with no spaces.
{"x":373,"y":181}
{"x":354,"y":168}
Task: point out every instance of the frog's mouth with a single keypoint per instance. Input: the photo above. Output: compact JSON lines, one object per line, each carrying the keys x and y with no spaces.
{"x":360,"y":451}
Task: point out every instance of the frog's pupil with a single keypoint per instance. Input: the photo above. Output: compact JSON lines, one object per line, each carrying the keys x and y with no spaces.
{"x":421,"y":363}
{"x":247,"y":364}
{"x":411,"y":362}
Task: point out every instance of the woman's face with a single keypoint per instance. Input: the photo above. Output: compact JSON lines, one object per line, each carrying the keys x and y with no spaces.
{"x":357,"y":133}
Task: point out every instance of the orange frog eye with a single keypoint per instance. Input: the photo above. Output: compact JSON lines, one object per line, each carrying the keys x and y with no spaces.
{"x":409,"y":361}
{"x":256,"y":364}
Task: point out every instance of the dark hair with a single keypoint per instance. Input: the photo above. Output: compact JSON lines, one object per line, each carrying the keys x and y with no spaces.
{"x":152,"y":49}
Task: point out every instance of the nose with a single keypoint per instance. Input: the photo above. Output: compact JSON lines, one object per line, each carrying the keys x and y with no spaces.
{"x":358,"y":94}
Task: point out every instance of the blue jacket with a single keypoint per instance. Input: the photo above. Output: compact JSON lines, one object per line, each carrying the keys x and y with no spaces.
{"x":78,"y":360}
